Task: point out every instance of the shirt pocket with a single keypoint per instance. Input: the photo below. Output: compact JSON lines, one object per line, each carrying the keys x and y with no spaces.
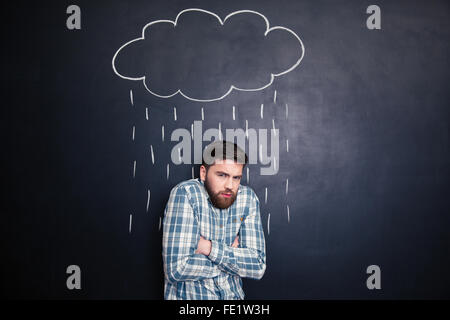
{"x":233,"y":226}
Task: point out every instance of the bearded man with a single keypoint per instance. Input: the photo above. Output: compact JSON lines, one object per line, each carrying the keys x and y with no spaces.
{"x":212,"y":231}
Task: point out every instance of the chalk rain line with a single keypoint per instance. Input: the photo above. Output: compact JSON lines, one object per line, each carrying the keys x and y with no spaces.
{"x":134,"y":164}
{"x":148,"y":198}
{"x":153,"y":156}
{"x":265,"y":196}
{"x":129,"y":226}
{"x":275,"y":97}
{"x":162,"y":132}
{"x":134,"y":129}
{"x":246,"y":129}
{"x":268,"y":224}
{"x":234,"y":113}
{"x":287,"y":180}
{"x":248,"y":175}
{"x":146,"y":113}
{"x":175,"y":113}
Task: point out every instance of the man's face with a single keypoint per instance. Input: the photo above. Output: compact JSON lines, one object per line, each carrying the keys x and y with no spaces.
{"x":222,"y":182}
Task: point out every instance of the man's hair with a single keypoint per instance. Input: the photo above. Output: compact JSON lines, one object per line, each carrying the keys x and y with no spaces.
{"x":223,"y":150}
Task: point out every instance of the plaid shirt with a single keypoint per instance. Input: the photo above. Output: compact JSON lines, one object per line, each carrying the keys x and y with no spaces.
{"x":189,"y":214}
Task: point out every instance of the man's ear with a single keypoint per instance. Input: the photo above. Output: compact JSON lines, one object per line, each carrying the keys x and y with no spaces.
{"x":202,"y":173}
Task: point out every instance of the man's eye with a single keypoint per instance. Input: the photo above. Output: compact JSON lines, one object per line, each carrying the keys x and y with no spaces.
{"x":237,"y":178}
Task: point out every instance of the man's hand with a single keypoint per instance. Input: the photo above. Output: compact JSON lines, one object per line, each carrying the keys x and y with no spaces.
{"x":203,"y":246}
{"x":236,"y":242}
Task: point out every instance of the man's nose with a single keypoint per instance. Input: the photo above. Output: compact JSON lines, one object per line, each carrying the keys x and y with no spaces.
{"x":229,"y":183}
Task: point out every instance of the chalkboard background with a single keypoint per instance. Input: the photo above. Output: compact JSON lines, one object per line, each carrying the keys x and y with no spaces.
{"x":367,"y":165}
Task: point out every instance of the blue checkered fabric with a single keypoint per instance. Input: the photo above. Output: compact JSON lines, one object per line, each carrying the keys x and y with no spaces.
{"x":190,"y":214}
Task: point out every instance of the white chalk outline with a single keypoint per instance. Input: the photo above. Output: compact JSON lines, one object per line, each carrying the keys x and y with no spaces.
{"x":232,"y":87}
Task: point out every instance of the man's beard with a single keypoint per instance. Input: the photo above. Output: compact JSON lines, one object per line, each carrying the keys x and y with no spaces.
{"x":217,"y":199}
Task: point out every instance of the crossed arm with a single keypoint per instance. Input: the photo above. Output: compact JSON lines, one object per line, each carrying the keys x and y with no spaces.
{"x":188,"y":256}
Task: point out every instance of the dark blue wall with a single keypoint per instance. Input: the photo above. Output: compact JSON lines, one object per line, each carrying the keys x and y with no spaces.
{"x":368,"y":160}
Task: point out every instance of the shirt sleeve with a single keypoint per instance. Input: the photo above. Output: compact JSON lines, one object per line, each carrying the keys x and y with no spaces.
{"x":249,"y":260}
{"x":180,"y":238}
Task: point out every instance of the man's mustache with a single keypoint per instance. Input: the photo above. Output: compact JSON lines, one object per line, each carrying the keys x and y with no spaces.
{"x":226,"y":191}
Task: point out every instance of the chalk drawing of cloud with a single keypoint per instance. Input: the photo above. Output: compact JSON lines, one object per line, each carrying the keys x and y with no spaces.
{"x":204,"y":58}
